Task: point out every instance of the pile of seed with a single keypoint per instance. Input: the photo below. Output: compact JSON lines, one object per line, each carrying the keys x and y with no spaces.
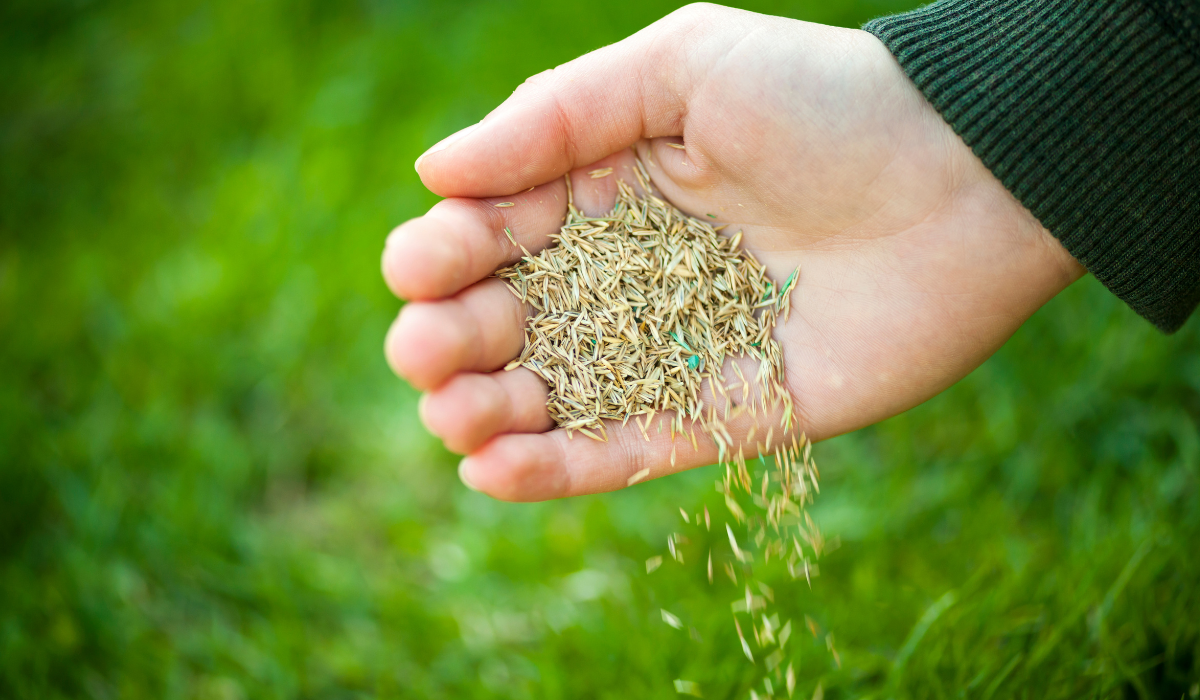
{"x":635,"y":314}
{"x":636,"y":311}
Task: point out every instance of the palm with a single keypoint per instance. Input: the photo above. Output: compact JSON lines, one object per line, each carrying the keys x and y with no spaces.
{"x":916,"y":263}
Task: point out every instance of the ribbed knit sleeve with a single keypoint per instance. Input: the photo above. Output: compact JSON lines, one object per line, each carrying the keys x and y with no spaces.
{"x":1089,"y":112}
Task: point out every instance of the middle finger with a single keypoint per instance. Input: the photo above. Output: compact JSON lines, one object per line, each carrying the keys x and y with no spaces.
{"x":477,"y":330}
{"x":461,"y":241}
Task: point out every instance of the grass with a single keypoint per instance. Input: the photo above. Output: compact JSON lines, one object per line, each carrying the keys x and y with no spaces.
{"x":211,"y":487}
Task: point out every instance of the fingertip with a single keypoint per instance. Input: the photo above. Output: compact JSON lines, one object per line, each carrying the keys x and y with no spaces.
{"x":495,"y":159}
{"x":422,"y":347}
{"x":444,"y":144}
{"x":466,"y":411}
{"x":393,"y":350}
{"x":422,"y":407}
{"x":519,"y":468}
{"x":463,"y":476}
{"x":419,"y":264}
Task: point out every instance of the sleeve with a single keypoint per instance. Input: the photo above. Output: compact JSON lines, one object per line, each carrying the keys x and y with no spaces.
{"x":1088,"y":111}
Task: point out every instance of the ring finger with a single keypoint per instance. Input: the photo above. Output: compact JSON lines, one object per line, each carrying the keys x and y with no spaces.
{"x":477,"y":330}
{"x":471,"y":408}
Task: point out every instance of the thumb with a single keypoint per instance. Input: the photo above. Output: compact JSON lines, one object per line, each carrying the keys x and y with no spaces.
{"x":573,"y":115}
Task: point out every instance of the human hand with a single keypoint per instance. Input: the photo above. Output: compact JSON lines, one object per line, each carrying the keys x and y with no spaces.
{"x":917,"y":264}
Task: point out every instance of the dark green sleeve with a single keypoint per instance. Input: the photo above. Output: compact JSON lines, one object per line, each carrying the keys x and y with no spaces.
{"x":1089,"y":112}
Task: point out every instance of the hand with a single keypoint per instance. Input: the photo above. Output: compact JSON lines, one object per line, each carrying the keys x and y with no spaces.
{"x":917,"y":264}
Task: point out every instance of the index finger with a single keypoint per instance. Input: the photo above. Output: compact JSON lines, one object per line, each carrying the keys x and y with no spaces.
{"x":597,"y":104}
{"x":461,"y":241}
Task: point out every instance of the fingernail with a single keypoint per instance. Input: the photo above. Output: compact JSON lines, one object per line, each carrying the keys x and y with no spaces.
{"x":441,"y":145}
{"x":462,"y":474}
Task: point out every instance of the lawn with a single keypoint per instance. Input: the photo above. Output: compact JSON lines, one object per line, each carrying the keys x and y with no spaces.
{"x":212,"y":487}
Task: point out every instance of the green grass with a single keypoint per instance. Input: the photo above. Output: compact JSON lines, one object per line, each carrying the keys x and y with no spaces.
{"x":212,"y":487}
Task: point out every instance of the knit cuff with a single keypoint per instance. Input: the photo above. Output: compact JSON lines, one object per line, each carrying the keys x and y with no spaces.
{"x":1089,"y":112}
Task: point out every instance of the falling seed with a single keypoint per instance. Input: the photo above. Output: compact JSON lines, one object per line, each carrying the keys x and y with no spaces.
{"x":671,"y":619}
{"x":832,"y":650}
{"x":734,"y":508}
{"x":509,"y":233}
{"x":742,"y":638}
{"x":503,"y":205}
{"x":737,"y":551}
{"x":812,"y":625}
{"x":680,"y":146}
{"x":634,"y":311}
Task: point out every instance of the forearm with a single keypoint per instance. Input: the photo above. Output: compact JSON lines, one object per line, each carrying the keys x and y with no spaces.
{"x":1089,"y":113}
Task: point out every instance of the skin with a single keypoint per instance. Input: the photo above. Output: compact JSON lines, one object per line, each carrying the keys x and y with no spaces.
{"x":917,"y":263}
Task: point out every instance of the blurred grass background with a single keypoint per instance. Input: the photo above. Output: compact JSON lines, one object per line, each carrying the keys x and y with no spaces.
{"x":212,"y":487}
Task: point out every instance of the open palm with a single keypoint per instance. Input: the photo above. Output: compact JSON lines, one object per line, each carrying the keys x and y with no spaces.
{"x":916,"y":263}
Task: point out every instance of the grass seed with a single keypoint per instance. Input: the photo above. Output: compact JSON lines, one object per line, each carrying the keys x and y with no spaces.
{"x":635,"y":314}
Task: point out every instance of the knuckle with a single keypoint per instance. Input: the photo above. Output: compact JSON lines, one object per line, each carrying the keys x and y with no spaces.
{"x":538,"y":80}
{"x":535,"y":84}
{"x":546,"y":89}
{"x":492,"y":222}
{"x":693,"y":14}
